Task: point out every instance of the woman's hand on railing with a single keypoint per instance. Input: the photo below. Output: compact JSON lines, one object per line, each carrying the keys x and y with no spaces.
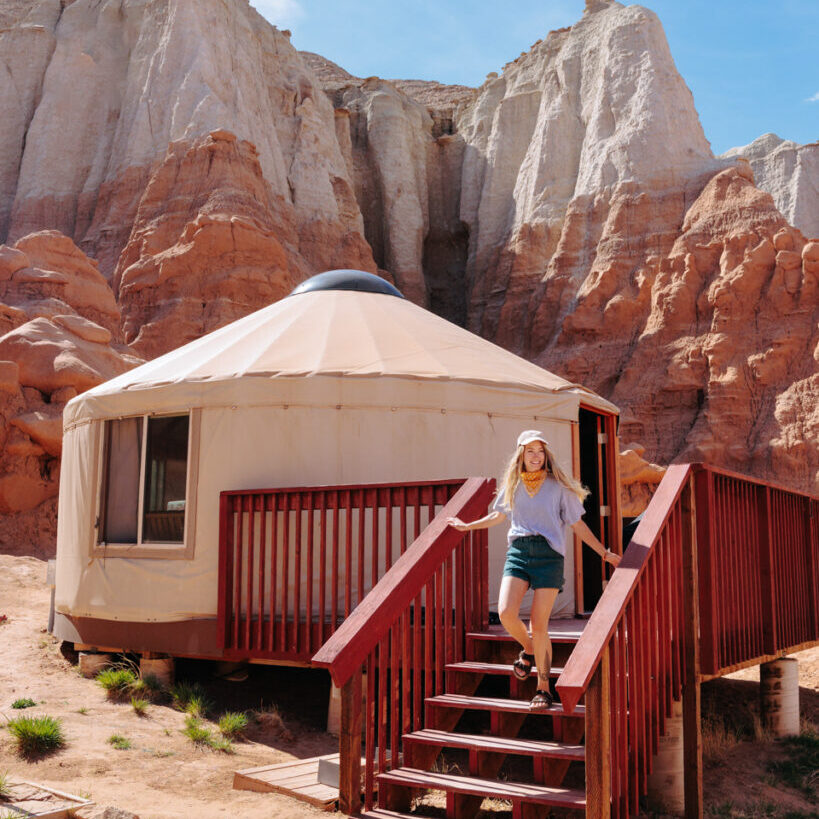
{"x":612,"y":557}
{"x":486,"y":522}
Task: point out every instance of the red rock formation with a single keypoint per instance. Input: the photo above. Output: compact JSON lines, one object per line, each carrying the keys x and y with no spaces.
{"x":210,"y":244}
{"x":708,"y":346}
{"x":60,"y":325}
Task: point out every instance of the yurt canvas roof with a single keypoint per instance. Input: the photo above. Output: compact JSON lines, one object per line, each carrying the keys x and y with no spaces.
{"x":311,"y":335}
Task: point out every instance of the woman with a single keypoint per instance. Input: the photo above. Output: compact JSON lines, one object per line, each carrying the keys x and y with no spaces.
{"x":540,"y":499}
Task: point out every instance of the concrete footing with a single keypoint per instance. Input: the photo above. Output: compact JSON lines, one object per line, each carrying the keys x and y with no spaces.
{"x":779,"y":696}
{"x":92,"y":663}
{"x":666,"y":784}
{"x":161,"y":667}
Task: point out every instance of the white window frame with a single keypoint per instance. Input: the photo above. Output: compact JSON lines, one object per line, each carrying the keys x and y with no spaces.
{"x":153,"y":549}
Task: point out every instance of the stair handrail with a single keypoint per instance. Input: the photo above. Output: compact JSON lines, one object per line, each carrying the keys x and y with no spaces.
{"x":356,"y":637}
{"x":585,"y":658}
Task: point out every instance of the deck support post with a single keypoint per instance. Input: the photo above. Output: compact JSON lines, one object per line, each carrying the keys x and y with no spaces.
{"x":349,"y":775}
{"x":666,"y":782}
{"x":692,"y":726}
{"x":598,"y":741}
{"x":779,"y":696}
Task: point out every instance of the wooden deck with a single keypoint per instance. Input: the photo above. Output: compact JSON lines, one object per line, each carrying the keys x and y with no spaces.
{"x":297,"y":779}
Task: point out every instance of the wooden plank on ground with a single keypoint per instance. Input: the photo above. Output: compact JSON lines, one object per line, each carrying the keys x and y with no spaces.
{"x":297,"y":779}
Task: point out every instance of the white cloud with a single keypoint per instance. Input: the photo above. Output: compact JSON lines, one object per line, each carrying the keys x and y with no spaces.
{"x":282,"y":13}
{"x":814,"y":98}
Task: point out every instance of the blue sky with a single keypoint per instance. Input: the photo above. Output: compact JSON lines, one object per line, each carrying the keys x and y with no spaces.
{"x":752,"y":66}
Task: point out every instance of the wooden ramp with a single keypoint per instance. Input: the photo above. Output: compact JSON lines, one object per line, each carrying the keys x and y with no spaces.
{"x":297,"y":778}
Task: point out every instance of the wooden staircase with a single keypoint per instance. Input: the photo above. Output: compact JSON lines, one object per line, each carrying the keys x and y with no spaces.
{"x":426,"y":683}
{"x":479,"y":725}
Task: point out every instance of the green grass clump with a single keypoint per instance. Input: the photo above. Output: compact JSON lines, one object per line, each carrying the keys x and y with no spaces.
{"x":117,"y":682}
{"x":191,"y":698}
{"x":149,"y":687}
{"x":200,"y":735}
{"x":801,"y":769}
{"x":36,"y":736}
{"x":140,"y":706}
{"x":5,"y":785}
{"x":197,"y":733}
{"x":233,"y":724}
{"x":24,"y":702}
{"x":120,"y":742}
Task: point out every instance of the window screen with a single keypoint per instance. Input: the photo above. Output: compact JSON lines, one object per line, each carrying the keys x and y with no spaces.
{"x":121,"y":500}
{"x":166,"y":467}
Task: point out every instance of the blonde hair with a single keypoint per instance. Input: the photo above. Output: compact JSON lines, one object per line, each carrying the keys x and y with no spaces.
{"x":511,"y":476}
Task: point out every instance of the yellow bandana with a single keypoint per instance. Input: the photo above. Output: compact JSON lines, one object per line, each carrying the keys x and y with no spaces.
{"x":532,"y":481}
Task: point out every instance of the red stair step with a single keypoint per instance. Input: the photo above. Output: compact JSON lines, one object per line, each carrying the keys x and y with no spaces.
{"x":495,"y":704}
{"x":495,"y":744}
{"x":493,"y":788}
{"x":474,"y":667}
{"x":560,"y":631}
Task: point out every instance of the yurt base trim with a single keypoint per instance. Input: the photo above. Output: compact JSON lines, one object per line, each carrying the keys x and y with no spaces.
{"x":195,"y":639}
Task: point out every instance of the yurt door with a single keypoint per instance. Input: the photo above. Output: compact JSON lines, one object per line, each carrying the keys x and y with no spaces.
{"x":597,"y":450}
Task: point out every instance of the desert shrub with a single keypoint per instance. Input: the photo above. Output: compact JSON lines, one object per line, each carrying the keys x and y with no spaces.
{"x":148,"y":686}
{"x":200,"y":735}
{"x":5,"y":785}
{"x":233,"y":723}
{"x":140,"y":706}
{"x":270,"y":721}
{"x":197,"y":733}
{"x":119,"y":742}
{"x":36,"y":736}
{"x":191,"y":698}
{"x":801,"y":768}
{"x":117,"y":682}
{"x":24,"y":702}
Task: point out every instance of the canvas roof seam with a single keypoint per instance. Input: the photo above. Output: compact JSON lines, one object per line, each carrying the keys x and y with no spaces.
{"x":288,"y":405}
{"x":301,"y":374}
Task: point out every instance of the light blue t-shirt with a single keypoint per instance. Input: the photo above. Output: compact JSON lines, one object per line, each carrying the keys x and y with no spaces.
{"x":552,"y":508}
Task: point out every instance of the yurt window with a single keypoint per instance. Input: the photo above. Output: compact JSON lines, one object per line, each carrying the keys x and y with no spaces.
{"x":146,"y":481}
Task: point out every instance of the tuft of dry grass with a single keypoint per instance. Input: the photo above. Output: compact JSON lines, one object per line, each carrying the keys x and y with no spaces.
{"x":269,"y":721}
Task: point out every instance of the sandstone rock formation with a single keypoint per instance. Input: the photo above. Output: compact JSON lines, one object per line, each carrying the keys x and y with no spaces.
{"x":206,"y":248}
{"x":569,"y":209}
{"x":123,"y":80}
{"x":790,"y":173}
{"x":60,"y":329}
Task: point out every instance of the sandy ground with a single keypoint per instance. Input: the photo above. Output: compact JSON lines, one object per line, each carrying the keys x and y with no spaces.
{"x":163,"y":776}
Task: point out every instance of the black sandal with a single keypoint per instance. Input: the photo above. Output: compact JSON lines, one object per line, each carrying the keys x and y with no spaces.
{"x":522,"y":667}
{"x":541,"y":701}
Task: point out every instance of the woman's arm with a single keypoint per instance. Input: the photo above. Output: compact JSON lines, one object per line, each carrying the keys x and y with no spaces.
{"x":587,"y":536}
{"x":492,"y":519}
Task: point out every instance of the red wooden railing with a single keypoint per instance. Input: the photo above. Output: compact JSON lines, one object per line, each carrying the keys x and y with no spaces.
{"x":701,"y":589}
{"x":401,"y":637}
{"x":757,"y":569}
{"x":295,"y":562}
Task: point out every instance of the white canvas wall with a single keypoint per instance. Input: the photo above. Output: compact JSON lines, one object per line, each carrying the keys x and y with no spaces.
{"x":259,"y":433}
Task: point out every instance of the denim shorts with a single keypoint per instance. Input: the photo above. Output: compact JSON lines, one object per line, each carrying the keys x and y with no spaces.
{"x":532,"y":559}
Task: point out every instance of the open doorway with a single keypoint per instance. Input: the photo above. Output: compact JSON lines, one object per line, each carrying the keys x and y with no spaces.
{"x":597,"y":455}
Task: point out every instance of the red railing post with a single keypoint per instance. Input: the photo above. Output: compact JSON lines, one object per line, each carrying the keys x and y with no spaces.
{"x":812,"y":562}
{"x":706,"y":569}
{"x":349,"y":775}
{"x":598,"y":741}
{"x":225,"y":567}
{"x":692,"y":729}
{"x":766,"y":571}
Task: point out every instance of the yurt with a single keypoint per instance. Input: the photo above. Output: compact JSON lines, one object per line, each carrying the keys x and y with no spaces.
{"x":344,"y":382}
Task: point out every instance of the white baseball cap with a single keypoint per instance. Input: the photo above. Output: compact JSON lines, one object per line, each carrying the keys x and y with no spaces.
{"x":530,"y":435}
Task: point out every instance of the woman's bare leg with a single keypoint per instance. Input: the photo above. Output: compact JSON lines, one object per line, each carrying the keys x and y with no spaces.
{"x":542,"y":604}
{"x":511,"y":595}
